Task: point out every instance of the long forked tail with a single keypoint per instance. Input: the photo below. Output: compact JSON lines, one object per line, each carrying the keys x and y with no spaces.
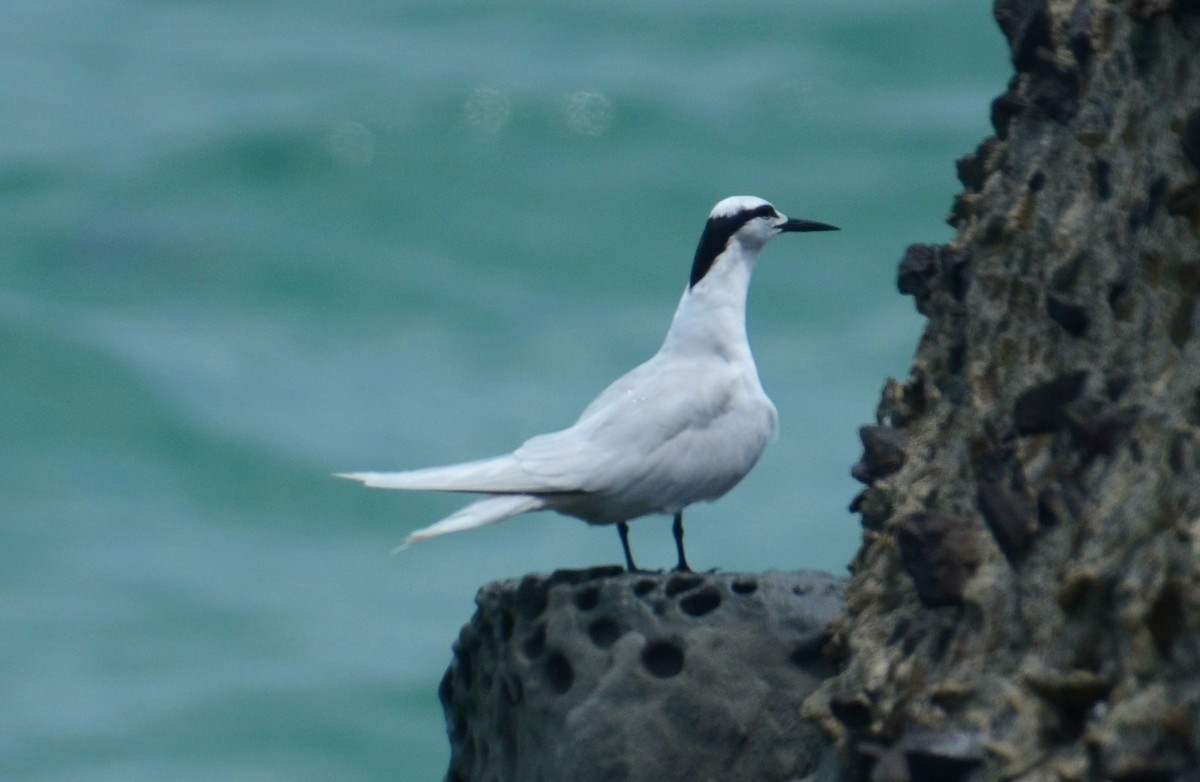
{"x":480,"y":513}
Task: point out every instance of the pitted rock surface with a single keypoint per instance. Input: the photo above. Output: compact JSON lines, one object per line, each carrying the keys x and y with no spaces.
{"x":603,"y":675}
{"x":1026,"y":601}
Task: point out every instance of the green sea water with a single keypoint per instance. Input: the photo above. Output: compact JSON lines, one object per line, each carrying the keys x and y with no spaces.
{"x":245,"y":245}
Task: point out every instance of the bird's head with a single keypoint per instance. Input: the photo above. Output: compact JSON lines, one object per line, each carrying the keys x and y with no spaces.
{"x":748,"y":220}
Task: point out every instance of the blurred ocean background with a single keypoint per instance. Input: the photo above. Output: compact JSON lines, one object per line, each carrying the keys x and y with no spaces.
{"x":245,"y":245}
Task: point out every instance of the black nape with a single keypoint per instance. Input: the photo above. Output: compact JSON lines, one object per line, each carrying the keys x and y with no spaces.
{"x":717,"y":233}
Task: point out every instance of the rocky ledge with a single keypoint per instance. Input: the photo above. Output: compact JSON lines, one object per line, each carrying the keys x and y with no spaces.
{"x":602,"y":675}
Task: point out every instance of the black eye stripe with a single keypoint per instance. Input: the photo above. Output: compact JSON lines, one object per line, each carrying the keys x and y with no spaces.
{"x":716,"y":236}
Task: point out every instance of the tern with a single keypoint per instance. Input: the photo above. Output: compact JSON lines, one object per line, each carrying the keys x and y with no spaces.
{"x":684,"y":427}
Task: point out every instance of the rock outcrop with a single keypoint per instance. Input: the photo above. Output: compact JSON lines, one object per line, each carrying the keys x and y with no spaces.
{"x":608,"y":676}
{"x":1026,"y":601}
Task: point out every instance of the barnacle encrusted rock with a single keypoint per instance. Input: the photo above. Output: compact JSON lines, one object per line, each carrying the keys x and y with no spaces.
{"x":606,"y":675}
{"x":1026,"y":601}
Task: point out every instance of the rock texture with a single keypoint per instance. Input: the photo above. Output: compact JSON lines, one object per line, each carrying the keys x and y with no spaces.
{"x":607,"y":675}
{"x":1026,"y":601}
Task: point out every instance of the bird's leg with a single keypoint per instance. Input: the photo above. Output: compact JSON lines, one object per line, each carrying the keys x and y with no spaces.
{"x":677,"y":531}
{"x":623,"y":531}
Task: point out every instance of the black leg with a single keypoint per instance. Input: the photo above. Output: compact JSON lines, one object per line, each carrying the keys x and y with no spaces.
{"x":623,"y":531}
{"x":677,"y":531}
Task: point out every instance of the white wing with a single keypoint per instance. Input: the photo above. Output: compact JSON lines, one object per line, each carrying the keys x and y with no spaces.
{"x":669,"y":433}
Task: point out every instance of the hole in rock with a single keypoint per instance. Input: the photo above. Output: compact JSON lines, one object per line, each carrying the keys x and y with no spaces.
{"x":558,"y":672}
{"x":604,"y":632}
{"x":644,"y":587}
{"x":531,"y":599}
{"x":744,"y":586}
{"x":663,"y":659}
{"x":700,"y":603}
{"x":587,"y":598}
{"x":682,"y":583}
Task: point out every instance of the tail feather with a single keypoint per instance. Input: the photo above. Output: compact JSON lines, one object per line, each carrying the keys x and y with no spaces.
{"x":499,"y":475}
{"x":489,"y":510}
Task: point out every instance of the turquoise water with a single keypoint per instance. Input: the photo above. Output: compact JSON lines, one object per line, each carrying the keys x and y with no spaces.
{"x":249,"y":244}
